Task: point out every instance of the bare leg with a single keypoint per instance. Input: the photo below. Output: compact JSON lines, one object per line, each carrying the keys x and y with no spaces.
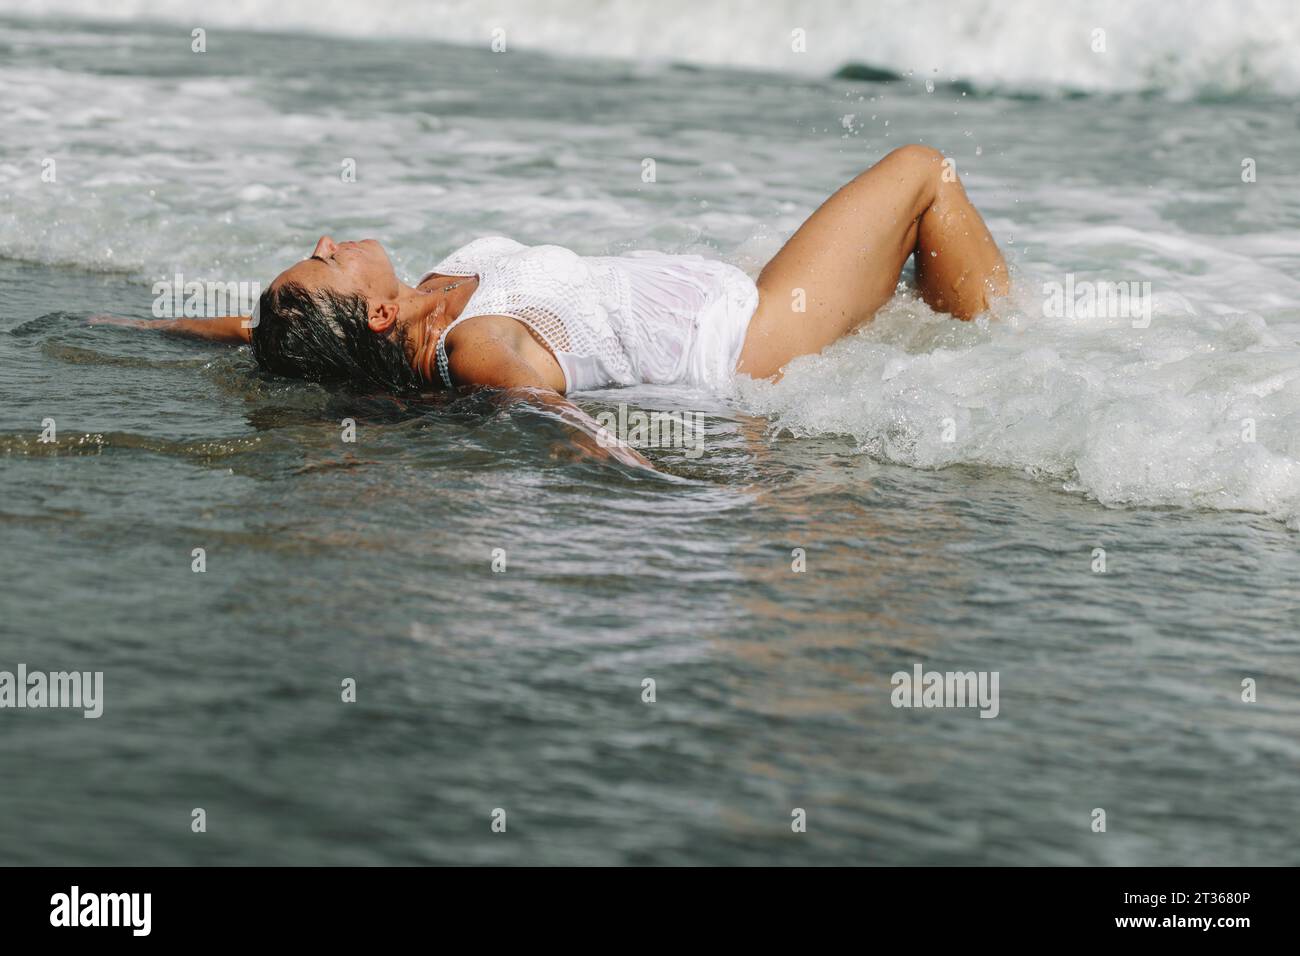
{"x":843,"y":263}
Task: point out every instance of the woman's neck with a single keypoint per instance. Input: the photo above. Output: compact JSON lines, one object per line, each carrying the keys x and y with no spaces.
{"x":428,"y":309}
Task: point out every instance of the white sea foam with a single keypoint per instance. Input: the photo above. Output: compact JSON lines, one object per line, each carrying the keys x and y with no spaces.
{"x":1157,"y":416}
{"x":1216,"y":46}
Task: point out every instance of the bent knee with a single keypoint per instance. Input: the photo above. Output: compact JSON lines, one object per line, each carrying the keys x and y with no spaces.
{"x":924,"y":163}
{"x":914,"y":162}
{"x":916,"y":154}
{"x":923,"y":169}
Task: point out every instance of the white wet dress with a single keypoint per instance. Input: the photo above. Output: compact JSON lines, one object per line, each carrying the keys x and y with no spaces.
{"x":642,"y":317}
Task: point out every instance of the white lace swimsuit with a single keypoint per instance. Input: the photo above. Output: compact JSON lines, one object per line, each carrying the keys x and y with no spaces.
{"x":612,"y":320}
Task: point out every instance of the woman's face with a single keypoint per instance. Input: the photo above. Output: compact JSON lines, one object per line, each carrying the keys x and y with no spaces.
{"x":359,"y":268}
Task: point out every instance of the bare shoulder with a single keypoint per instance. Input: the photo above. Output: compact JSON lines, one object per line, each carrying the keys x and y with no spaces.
{"x":495,"y":351}
{"x":482,"y":328}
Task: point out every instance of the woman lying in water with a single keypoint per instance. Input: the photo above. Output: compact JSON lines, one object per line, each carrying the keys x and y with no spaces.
{"x":498,"y":314}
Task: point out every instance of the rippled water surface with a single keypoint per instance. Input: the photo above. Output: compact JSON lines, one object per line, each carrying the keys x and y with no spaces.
{"x":522,"y":690}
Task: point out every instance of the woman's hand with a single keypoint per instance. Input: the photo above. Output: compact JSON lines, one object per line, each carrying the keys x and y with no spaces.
{"x":490,"y":361}
{"x":602,"y":448}
{"x":232,"y":329}
{"x":590,"y":439}
{"x":162,"y":325}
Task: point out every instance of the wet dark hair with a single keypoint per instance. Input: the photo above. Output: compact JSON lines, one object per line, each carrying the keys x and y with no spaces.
{"x":324,"y":336}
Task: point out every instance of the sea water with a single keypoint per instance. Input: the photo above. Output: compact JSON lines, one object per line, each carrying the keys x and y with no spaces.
{"x":1097,"y":505}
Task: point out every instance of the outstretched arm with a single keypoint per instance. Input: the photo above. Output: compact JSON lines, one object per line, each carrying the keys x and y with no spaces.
{"x":232,"y":329}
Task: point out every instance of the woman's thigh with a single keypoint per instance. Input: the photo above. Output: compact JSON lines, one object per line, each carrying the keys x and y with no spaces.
{"x":843,"y":263}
